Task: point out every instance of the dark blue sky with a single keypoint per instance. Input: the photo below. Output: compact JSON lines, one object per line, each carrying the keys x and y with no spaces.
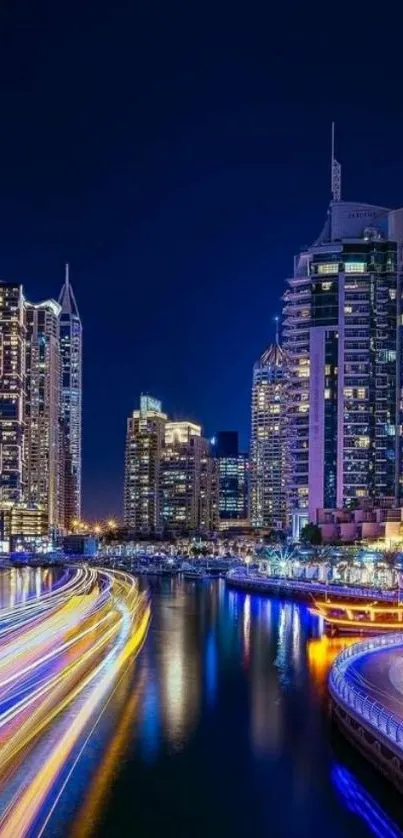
{"x":177,"y":154}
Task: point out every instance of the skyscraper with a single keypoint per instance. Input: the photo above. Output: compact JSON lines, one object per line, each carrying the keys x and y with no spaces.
{"x":232,"y":477}
{"x":142,"y":490}
{"x":342,"y":333}
{"x":269,"y":452}
{"x":42,"y":411}
{"x":12,"y":384}
{"x":188,"y":481}
{"x":71,"y":399}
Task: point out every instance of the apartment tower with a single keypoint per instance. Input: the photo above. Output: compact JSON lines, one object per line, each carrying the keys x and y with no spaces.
{"x":342,"y":333}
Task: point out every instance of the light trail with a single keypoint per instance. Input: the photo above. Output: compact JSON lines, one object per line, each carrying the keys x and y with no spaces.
{"x":62,"y":655}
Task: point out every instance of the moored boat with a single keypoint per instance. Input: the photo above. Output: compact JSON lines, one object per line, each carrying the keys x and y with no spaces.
{"x":363,"y":618}
{"x":195,"y":574}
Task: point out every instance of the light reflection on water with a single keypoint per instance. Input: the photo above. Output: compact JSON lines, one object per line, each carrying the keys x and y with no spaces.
{"x":219,"y":728}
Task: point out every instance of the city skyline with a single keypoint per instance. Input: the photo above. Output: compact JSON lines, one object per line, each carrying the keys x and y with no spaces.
{"x":200,"y":167}
{"x":244,"y":430}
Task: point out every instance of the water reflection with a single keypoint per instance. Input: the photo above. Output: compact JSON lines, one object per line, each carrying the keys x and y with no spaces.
{"x":19,"y":584}
{"x":124,"y":706}
{"x":235,"y":684}
{"x":220,"y":727}
{"x":321,"y":652}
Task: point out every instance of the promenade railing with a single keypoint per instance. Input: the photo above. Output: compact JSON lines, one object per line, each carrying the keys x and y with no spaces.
{"x":315,"y":587}
{"x":356,"y":699}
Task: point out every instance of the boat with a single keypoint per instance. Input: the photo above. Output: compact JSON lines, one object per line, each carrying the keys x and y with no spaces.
{"x":159,"y":570}
{"x":195,"y":573}
{"x":366,"y":618}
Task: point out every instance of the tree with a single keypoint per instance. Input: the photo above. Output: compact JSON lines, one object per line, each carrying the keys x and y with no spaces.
{"x":311,"y":534}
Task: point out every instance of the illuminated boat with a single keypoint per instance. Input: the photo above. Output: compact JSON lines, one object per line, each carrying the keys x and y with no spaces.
{"x":365,"y":618}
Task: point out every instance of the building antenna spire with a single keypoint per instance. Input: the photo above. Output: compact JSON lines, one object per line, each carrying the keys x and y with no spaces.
{"x":67,"y":273}
{"x":335,"y":173}
{"x":277,"y":321}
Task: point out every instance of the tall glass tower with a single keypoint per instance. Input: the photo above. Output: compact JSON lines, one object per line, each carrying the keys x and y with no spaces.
{"x":269,"y":461}
{"x":342,"y":332}
{"x":12,"y":383}
{"x":71,"y":399}
{"x":42,"y":411}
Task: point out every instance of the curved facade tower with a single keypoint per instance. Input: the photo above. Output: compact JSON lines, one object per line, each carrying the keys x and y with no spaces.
{"x":71,"y":400}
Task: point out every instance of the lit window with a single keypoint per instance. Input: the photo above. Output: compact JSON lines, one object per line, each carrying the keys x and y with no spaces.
{"x":361,"y":393}
{"x":327,"y":393}
{"x":361,"y":493}
{"x":348,"y":392}
{"x":392,"y":293}
{"x":362,"y":442}
{"x":303,"y":408}
{"x":328,"y":268}
{"x":348,"y":309}
{"x":327,"y":369}
{"x":355,"y":267}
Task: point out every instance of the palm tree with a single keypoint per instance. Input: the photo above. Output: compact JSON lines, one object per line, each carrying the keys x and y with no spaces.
{"x":390,"y":557}
{"x":284,"y":556}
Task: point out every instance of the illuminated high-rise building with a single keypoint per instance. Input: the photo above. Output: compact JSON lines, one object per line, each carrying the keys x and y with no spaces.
{"x":12,"y":384}
{"x":42,"y":411}
{"x":269,"y":453}
{"x":71,"y":399}
{"x":142,"y":490}
{"x":342,"y":333}
{"x":189,"y":484}
{"x":232,"y":477}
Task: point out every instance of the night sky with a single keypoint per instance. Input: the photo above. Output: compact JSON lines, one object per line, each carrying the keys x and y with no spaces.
{"x":177,"y":155}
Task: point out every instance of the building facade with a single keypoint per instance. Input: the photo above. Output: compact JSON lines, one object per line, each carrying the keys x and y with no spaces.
{"x":142,"y":490}
{"x":34,"y":419}
{"x":269,"y":451}
{"x":42,"y":411}
{"x":23,"y":526}
{"x":171,"y":483}
{"x":188,"y":481}
{"x":71,"y":400}
{"x":12,"y":393}
{"x":342,"y":333}
{"x":232,"y":477}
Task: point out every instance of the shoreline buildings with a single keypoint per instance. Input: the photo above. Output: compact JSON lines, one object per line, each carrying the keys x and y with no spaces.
{"x":233,"y":472}
{"x":35,"y":430}
{"x":12,"y":382}
{"x":269,"y":448}
{"x":44,"y":473}
{"x":171,"y":486}
{"x":342,"y":323}
{"x":144,"y":443}
{"x":71,"y":399}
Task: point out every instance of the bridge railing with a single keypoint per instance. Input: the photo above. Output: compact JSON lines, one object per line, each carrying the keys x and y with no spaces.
{"x":355,"y":698}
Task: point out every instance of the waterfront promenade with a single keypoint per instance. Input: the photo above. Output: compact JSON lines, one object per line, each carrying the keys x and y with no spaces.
{"x":304,"y":590}
{"x":366,"y":687}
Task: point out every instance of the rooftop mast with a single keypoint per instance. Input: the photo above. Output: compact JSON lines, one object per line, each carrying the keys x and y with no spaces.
{"x":335,"y":173}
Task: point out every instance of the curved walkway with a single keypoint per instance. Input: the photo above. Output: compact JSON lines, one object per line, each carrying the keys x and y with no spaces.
{"x":366,"y":686}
